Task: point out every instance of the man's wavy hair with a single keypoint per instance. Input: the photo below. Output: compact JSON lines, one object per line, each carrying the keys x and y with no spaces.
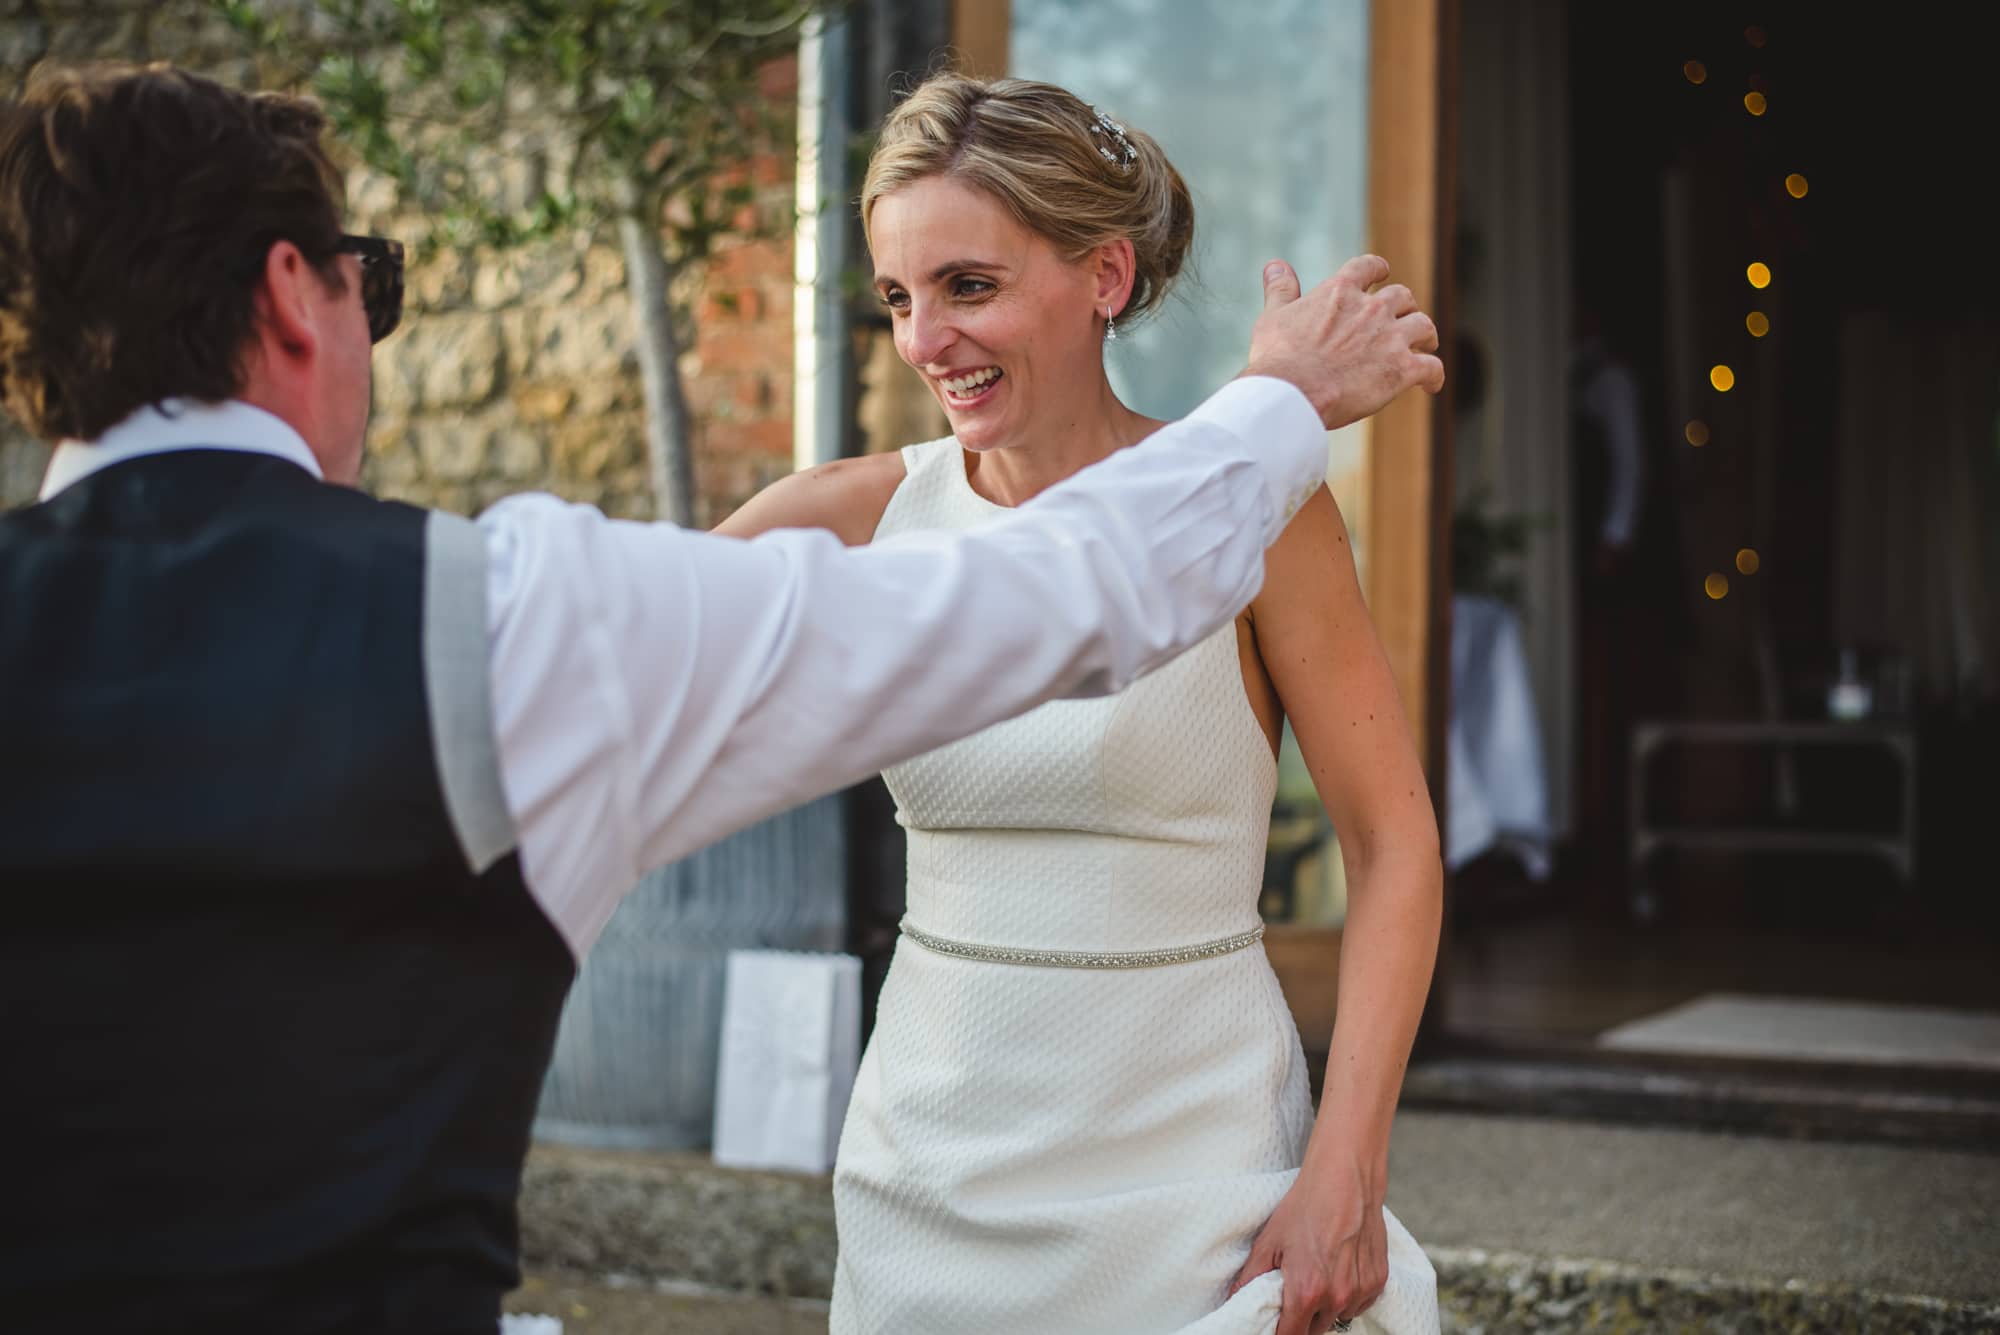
{"x":137,"y":205}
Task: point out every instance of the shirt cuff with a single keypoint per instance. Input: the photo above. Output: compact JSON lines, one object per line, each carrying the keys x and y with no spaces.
{"x":1281,"y":433}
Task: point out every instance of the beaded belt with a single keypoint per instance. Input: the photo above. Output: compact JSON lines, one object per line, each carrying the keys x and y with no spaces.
{"x":1084,"y":959}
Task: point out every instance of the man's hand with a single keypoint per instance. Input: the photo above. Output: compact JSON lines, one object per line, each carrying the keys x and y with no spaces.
{"x":1350,"y":344}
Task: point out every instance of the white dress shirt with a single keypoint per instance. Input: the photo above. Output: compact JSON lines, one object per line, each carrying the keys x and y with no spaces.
{"x":654,"y":688}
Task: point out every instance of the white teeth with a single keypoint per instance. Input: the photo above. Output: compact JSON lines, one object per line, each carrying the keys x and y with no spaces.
{"x":965,"y":384}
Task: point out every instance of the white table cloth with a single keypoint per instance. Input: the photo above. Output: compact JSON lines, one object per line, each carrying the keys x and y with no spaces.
{"x":1497,"y":791}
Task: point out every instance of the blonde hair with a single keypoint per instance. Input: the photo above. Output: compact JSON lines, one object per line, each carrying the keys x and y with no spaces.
{"x":1032,"y":147}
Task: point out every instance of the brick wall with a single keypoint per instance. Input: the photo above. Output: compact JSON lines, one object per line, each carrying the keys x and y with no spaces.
{"x":514,"y":370}
{"x":739,"y":377}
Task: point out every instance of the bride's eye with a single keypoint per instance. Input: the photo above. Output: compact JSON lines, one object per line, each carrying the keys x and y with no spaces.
{"x":895,"y":298}
{"x":971,"y":287}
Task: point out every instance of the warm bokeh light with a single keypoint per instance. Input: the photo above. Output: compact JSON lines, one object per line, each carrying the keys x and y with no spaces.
{"x":1754,"y":35}
{"x":1759,"y":275}
{"x":1795,"y":186}
{"x":1697,"y":433}
{"x":1754,"y":103}
{"x":1716,"y":586}
{"x":1722,"y":378}
{"x":1757,"y":323}
{"x":1746,"y":561}
{"x":1696,"y":71}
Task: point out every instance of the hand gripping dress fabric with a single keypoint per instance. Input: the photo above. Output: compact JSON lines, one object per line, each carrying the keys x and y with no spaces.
{"x":1041,"y":1150}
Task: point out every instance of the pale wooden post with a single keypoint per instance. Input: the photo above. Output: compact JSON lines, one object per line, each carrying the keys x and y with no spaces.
{"x":1404,"y":472}
{"x":979,"y":36}
{"x":1412,"y":54}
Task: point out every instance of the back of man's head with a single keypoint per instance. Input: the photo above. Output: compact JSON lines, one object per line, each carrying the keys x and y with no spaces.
{"x":136,"y":209}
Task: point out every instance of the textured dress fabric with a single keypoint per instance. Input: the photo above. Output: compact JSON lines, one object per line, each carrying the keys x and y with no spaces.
{"x":1039,"y":1150}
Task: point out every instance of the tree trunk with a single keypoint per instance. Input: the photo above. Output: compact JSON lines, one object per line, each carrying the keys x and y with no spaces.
{"x":669,"y":432}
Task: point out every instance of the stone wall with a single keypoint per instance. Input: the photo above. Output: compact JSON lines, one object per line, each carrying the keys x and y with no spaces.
{"x":513,"y":370}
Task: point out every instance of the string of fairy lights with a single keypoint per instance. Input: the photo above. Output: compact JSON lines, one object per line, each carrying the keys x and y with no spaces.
{"x":1721,"y":376}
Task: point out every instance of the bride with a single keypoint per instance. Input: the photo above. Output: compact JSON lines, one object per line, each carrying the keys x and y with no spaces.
{"x":1085,"y":1108}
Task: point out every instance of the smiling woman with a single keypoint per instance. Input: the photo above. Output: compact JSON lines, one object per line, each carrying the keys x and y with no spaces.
{"x":1085,"y":1105}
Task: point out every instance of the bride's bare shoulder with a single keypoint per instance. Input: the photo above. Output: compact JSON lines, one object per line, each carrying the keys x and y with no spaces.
{"x":846,"y":496}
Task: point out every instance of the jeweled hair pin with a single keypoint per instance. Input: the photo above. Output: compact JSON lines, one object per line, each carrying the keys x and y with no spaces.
{"x":1124,"y":155}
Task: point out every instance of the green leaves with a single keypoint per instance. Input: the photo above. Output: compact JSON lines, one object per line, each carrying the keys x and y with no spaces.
{"x":641,"y":102}
{"x":357,"y":102}
{"x":248,"y":20}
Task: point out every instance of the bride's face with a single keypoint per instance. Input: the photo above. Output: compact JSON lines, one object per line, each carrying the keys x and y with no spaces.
{"x":1000,"y":326}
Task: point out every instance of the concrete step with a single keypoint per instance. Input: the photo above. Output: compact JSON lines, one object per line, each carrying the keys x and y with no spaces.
{"x":587,"y":1306}
{"x":1546,"y":1224}
{"x":1933,"y":1109}
{"x":1535,"y":1224}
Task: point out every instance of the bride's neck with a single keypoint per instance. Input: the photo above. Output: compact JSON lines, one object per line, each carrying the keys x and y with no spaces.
{"x":1060,"y":440}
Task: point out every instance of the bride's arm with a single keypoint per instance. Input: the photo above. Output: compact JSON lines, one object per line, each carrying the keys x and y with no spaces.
{"x":846,"y":497}
{"x":1323,"y":656}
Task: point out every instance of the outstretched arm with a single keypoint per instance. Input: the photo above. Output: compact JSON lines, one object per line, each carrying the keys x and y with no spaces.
{"x":655,"y":689}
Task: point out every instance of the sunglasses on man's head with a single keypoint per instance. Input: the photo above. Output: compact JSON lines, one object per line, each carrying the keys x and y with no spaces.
{"x":381,"y":281}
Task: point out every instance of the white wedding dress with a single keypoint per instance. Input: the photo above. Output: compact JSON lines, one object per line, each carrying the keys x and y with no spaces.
{"x":1036,"y":1150}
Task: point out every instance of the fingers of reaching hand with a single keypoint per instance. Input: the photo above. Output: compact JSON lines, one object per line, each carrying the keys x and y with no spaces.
{"x":1362,"y":272}
{"x":1420,"y":331}
{"x":1354,"y":342}
{"x":1399,"y":299}
{"x":1429,"y":372}
{"x":1413,"y":328}
{"x":1420,"y":335}
{"x":1281,"y":284}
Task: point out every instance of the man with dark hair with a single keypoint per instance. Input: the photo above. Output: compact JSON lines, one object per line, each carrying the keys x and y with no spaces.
{"x":310,"y":802}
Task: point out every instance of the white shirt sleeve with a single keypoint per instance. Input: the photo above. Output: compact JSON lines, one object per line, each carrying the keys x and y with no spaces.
{"x":655,"y":689}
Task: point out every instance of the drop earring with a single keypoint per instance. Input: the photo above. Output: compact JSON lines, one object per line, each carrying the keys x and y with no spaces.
{"x":1110,"y":328}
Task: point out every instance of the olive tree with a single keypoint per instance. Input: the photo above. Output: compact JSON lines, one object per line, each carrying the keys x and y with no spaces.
{"x":646,"y":113}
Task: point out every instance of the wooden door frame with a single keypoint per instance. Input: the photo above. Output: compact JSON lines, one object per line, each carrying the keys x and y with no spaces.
{"x":1412,"y":161}
{"x":979,"y":37}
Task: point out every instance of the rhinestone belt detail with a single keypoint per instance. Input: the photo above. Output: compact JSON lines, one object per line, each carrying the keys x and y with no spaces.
{"x":1083,"y":959}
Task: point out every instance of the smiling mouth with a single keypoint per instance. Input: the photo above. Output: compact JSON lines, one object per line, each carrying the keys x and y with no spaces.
{"x":972,"y":386}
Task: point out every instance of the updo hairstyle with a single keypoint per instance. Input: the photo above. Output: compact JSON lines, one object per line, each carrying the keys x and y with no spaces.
{"x":1035,"y":148}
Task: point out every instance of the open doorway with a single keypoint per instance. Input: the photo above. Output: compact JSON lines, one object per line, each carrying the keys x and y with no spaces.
{"x":1728,"y":473}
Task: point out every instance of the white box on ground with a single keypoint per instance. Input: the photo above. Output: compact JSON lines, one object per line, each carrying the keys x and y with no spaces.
{"x":791,"y":1043}
{"x":525,"y":1324}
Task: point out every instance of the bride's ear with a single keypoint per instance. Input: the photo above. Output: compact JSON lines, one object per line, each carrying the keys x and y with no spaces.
{"x":1114,"y":269}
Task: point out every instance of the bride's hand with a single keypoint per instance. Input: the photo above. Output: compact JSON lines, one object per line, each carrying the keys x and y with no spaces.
{"x":1328,"y":1239}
